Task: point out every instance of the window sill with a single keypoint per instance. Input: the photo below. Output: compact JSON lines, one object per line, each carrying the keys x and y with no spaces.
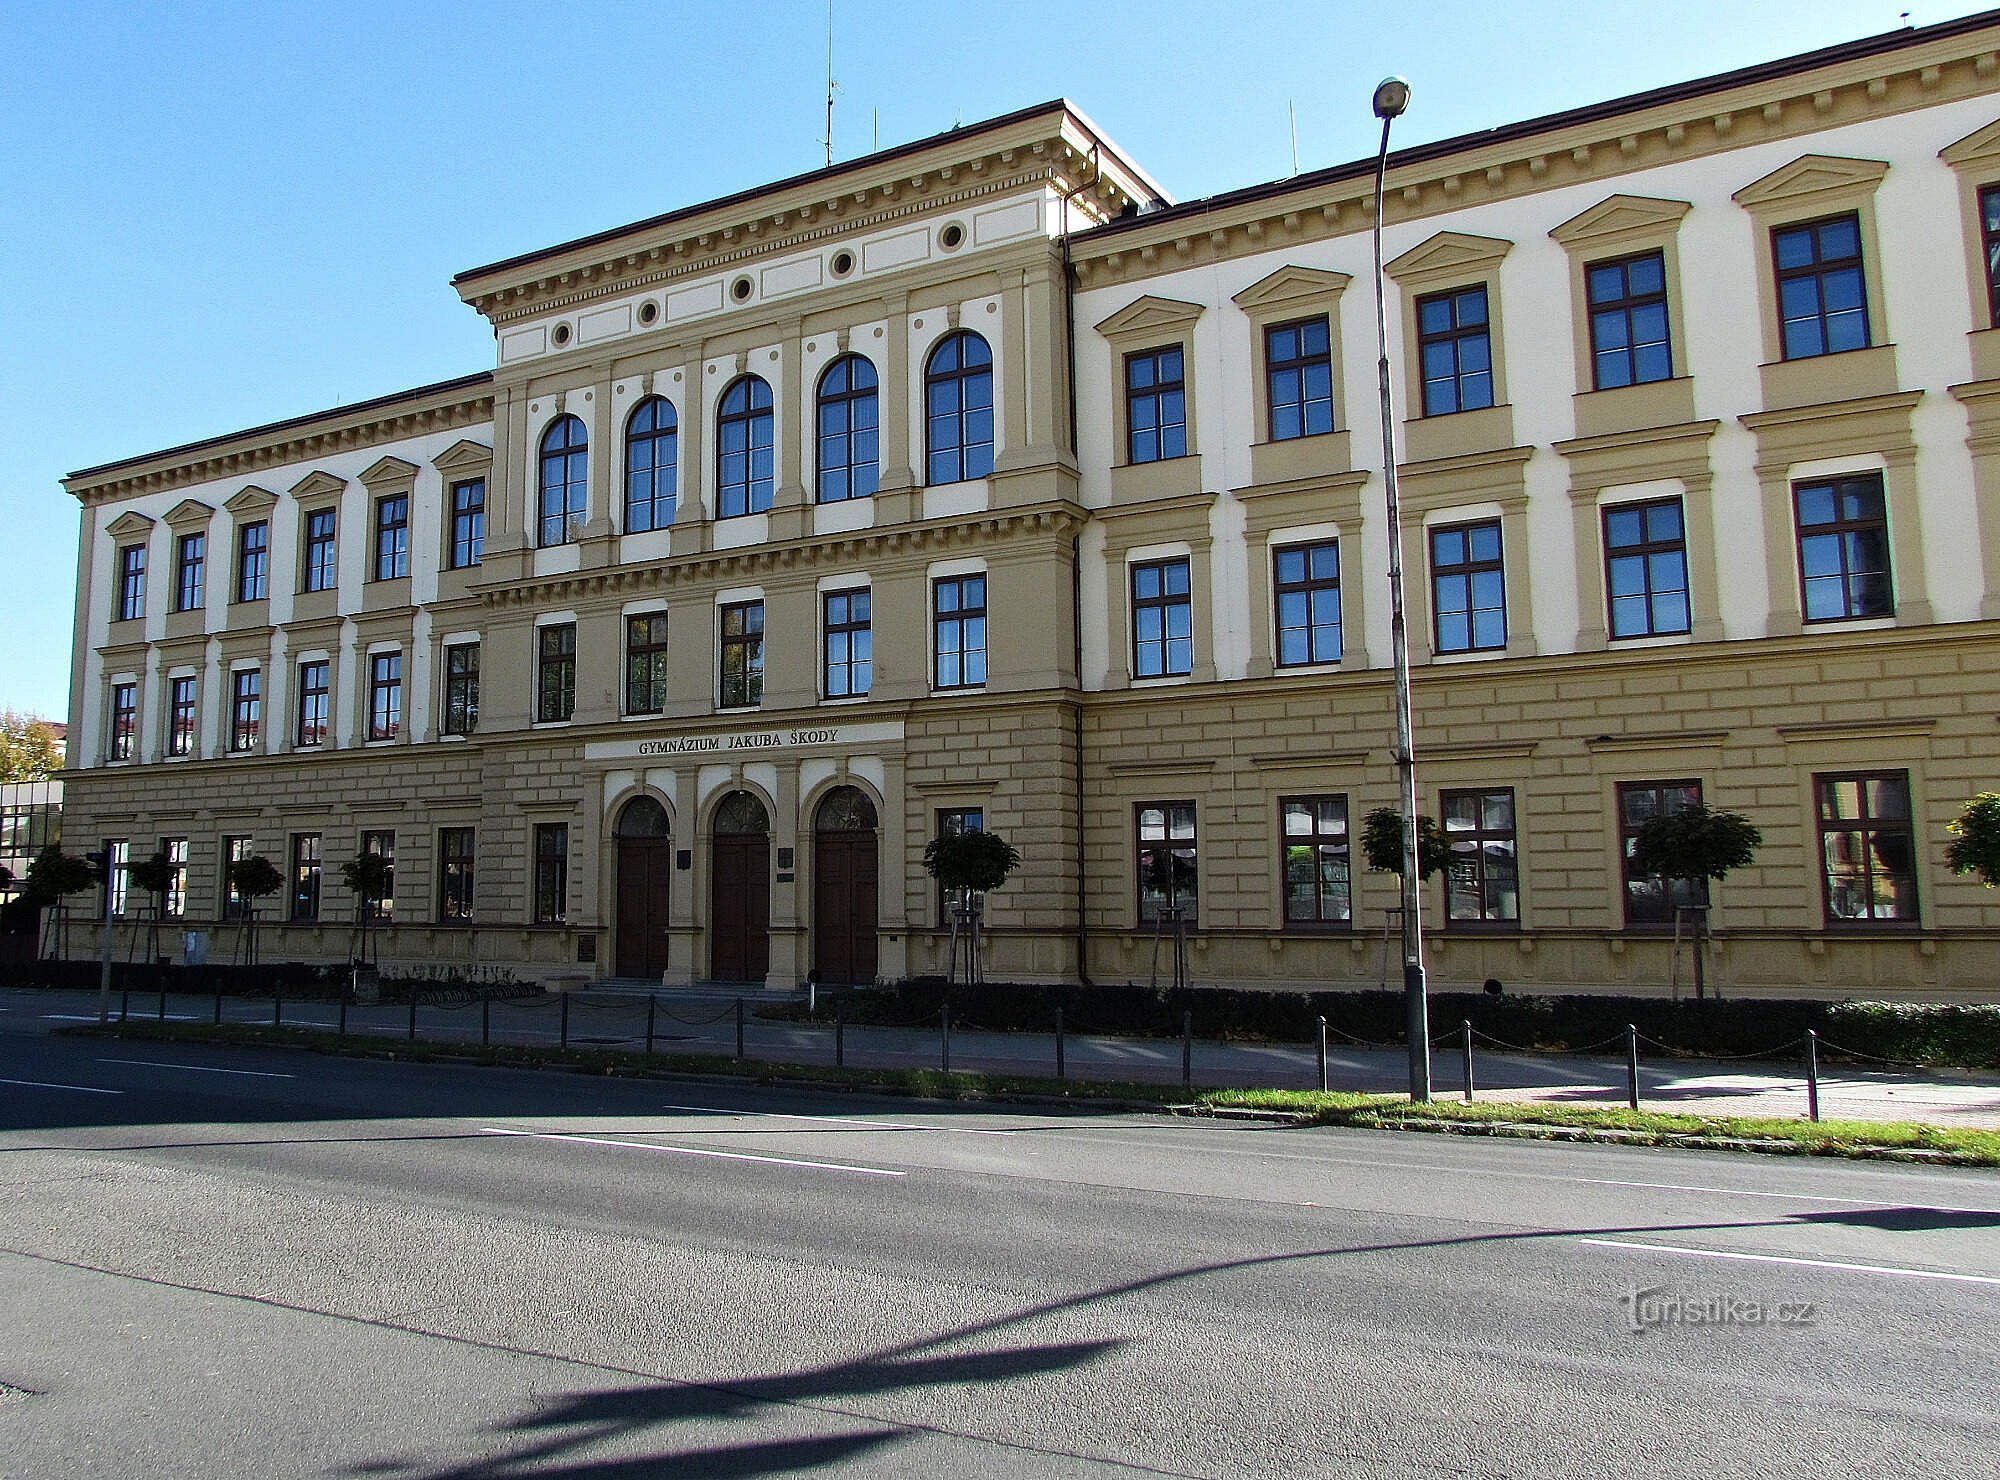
{"x":945,"y":691}
{"x":1651,"y":640}
{"x":1476,"y":655}
{"x":1849,"y":624}
{"x":551,"y":724}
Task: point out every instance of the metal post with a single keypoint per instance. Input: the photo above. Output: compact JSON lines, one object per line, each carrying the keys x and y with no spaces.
{"x":1465,"y":1051}
{"x":277,"y":1011}
{"x":163,"y":1002}
{"x":486,"y":1022}
{"x":1062,"y":1069}
{"x":652,"y":1012}
{"x":1187,"y":1050}
{"x":739,"y":1027}
{"x":564,"y":1030}
{"x":218,"y":1004}
{"x":124,"y":1002}
{"x":104,"y":951}
{"x":945,"y":1019}
{"x":340,"y":1026}
{"x":1632,"y":1066}
{"x":1812,"y":1073}
{"x":1322,"y":1055}
{"x":413,"y":1017}
{"x":839,"y":1038}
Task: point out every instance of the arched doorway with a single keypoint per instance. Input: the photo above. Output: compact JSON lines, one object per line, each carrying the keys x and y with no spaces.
{"x":739,"y":891}
{"x":645,"y":878}
{"x":845,"y":888}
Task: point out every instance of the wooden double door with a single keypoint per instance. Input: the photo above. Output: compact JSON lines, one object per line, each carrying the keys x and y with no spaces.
{"x":846,"y":889}
{"x":645,"y":880}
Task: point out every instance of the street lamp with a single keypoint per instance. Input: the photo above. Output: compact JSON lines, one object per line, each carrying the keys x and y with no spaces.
{"x":1392,"y":96}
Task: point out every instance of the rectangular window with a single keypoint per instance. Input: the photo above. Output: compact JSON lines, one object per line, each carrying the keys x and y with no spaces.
{"x":551,"y":872}
{"x":955,"y":822}
{"x":1455,"y":344}
{"x":1468,"y":587}
{"x":322,"y":551}
{"x":1298,"y":379}
{"x":1162,"y":619}
{"x":958,"y":631}
{"x":181,"y":717}
{"x":461,"y":688}
{"x":1306,"y":591}
{"x":131,"y":582}
{"x":120,"y":861}
{"x":742,"y":654}
{"x":124,"y":721}
{"x":1867,"y":845}
{"x":1844,"y":549}
{"x":246,"y":708}
{"x":1822,"y":292}
{"x":847,"y":663}
{"x":175,"y":851}
{"x":315,"y":703}
{"x":1155,"y":406}
{"x":1650,"y":899}
{"x":1628,"y":321}
{"x":646,"y":663}
{"x":385,"y":696}
{"x":235,"y":904}
{"x":253,"y":561}
{"x":383,"y":846}
{"x":1166,"y":856}
{"x":468,"y":523}
{"x":1482,"y":871}
{"x":1989,"y":249}
{"x":455,"y":875}
{"x":392,"y":537}
{"x":1645,"y":568}
{"x":555,"y":672}
{"x":1316,"y":860}
{"x":305,"y":877}
{"x":190,"y":571}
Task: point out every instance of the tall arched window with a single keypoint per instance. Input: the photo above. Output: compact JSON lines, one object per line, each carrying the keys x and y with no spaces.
{"x":565,"y":479}
{"x":847,"y":430}
{"x":958,"y":409}
{"x":652,"y":440}
{"x":743,"y":449}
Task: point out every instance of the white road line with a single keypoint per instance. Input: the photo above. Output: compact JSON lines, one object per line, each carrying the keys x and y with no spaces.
{"x":782,"y":1161}
{"x":137,"y":1017}
{"x":1848,"y":1202}
{"x":199,"y":1068}
{"x":82,"y":1089}
{"x":878,"y":1125}
{"x":1908,"y":1274}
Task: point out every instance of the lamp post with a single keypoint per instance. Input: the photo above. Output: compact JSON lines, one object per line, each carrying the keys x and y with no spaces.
{"x":1392,"y":96}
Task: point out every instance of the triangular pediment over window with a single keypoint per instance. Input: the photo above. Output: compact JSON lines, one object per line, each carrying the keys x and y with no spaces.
{"x":250,"y":501}
{"x":129,"y":526}
{"x":1812,"y":175}
{"x":189,"y":512}
{"x":1449,"y":253}
{"x":1150,"y":315}
{"x":464,"y":456}
{"x":1981,"y":146}
{"x":1290,"y":285}
{"x":318,"y":484}
{"x":388,"y":470}
{"x":1620,"y":216}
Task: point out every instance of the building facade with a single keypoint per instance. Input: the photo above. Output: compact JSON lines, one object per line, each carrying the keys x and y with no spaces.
{"x":975,"y":483}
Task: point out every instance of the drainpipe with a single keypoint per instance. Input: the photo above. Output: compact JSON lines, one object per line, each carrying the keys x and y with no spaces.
{"x":1076,"y":574}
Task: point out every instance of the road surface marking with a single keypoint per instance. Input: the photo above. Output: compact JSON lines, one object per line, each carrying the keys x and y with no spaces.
{"x":879,"y":1125}
{"x":1861,"y":1202}
{"x":782,"y":1161}
{"x":1910,"y":1274}
{"x":199,"y":1068}
{"x":82,"y":1089}
{"x":137,"y":1017}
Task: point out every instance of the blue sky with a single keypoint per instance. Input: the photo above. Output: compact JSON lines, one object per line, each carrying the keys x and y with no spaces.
{"x":225,"y":214}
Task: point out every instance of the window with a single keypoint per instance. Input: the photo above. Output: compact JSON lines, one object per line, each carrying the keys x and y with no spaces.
{"x":1468,"y":587}
{"x":1822,"y":294}
{"x":564,"y":480}
{"x":1167,"y":879}
{"x":555,"y":672}
{"x":190,"y":571}
{"x":1650,"y":899}
{"x":235,"y":904}
{"x":742,"y":654}
{"x":305,"y":877}
{"x":253,"y":561}
{"x":119,"y":859}
{"x":646,"y":663}
{"x":848,"y":663}
{"x":392,"y":537}
{"x":1645,"y":568}
{"x":1155,"y":405}
{"x":1306,"y":583}
{"x":385,"y":696}
{"x":322,"y":552}
{"x":468,"y":523}
{"x":1628,"y":321}
{"x":175,"y":851}
{"x":955,"y":822}
{"x":1482,"y":880}
{"x":958,"y":409}
{"x":848,"y":423}
{"x":743,"y":449}
{"x":246,"y":708}
{"x":1316,"y":860}
{"x":383,"y":846}
{"x":181,"y":716}
{"x":652,"y":469}
{"x":1989,"y":248}
{"x":958,"y":629}
{"x":131,"y":582}
{"x":315,"y":700}
{"x":1162,"y":619}
{"x":461,"y":688}
{"x":1455,"y":345}
{"x":1298,"y":379}
{"x":1867,"y":847}
{"x":1844,"y":549}
{"x":455,"y":875}
{"x":551,"y":872}
{"x":124,"y":720}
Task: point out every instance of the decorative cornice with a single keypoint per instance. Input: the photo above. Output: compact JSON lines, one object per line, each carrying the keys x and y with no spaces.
{"x":190,"y":512}
{"x":250,"y":499}
{"x":463,"y":456}
{"x":1291,"y":285}
{"x":1618,"y":217}
{"x":318,"y":484}
{"x":1811,"y":177}
{"x":1149,"y":315}
{"x":387,"y":471}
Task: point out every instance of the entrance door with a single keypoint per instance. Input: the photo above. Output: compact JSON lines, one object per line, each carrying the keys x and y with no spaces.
{"x":645,"y":879}
{"x":845,"y":887}
{"x":739,"y":914}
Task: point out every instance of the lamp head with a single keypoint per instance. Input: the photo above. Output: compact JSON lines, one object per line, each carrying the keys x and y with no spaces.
{"x":1392,"y":96}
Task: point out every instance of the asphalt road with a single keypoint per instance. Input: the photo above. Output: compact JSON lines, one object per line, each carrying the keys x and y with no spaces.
{"x":220,"y":1262}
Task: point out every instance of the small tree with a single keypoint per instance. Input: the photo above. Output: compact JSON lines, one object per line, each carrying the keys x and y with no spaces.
{"x":1691,"y":844}
{"x":28,"y":747}
{"x":53,"y":876}
{"x":968,"y":864}
{"x":1382,"y":843}
{"x":253,"y":878}
{"x":367,"y":878}
{"x":155,"y":875}
{"x":1975,"y":846}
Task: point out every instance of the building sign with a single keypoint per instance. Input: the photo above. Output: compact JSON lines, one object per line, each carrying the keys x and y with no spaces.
{"x":783,"y":740}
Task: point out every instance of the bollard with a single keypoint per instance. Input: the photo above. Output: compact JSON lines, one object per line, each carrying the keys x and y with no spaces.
{"x":413,"y":1017}
{"x":124,"y":1003}
{"x":163,"y":1004}
{"x":1187,"y":1050}
{"x":839,"y":1038}
{"x":277,"y":1011}
{"x":485,"y":1021}
{"x":739,"y":1027}
{"x":218,"y":1004}
{"x":1812,"y":1074}
{"x":564,"y":1030}
{"x":1062,"y":1069}
{"x":340,"y":1026}
{"x":1465,"y":1049}
{"x":1632,"y":1066}
{"x":652,"y":1011}
{"x":1322,"y":1055}
{"x":945,"y":1018}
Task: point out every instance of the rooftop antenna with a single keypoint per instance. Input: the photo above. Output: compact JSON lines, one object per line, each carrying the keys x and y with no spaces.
{"x":1292,"y":110}
{"x":829,"y":84}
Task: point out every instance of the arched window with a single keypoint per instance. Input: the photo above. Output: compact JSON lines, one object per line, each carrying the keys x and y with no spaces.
{"x":565,"y":479}
{"x":743,"y":449}
{"x":845,"y":809}
{"x":847,"y":430}
{"x":741,"y":812}
{"x":652,"y":440}
{"x":958,"y":409}
{"x":643,"y":817}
